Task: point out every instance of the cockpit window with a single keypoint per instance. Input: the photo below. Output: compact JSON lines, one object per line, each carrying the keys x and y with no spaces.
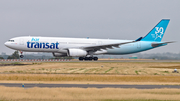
{"x":10,"y":40}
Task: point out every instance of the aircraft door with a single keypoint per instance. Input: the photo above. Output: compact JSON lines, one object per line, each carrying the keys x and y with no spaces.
{"x":99,"y":42}
{"x":138,"y":44}
{"x":21,"y":41}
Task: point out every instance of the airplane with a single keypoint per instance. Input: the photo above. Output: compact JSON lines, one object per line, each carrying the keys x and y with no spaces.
{"x":86,"y":48}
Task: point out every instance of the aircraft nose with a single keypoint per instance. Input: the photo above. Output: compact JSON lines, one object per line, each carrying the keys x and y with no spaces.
{"x":6,"y":44}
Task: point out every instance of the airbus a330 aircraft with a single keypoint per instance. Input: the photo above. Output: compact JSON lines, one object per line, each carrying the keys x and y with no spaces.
{"x":85,"y":48}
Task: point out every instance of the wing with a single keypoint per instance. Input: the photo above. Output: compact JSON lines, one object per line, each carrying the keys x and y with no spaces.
{"x":103,"y":46}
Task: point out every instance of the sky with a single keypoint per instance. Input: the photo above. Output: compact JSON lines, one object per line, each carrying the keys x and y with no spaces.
{"x":113,"y":19}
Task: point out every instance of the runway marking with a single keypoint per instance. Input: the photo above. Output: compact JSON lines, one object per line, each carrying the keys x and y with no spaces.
{"x":34,"y":60}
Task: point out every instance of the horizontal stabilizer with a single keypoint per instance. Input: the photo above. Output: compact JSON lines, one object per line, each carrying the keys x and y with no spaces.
{"x":160,"y":44}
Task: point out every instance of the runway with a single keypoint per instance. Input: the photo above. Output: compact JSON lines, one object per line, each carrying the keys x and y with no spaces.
{"x":29,"y":85}
{"x":101,"y":60}
{"x":129,"y":60}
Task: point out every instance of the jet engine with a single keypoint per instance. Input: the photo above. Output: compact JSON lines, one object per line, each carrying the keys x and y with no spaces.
{"x":76,"y":52}
{"x":59,"y":54}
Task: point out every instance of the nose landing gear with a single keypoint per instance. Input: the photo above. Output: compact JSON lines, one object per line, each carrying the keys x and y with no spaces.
{"x":21,"y":56}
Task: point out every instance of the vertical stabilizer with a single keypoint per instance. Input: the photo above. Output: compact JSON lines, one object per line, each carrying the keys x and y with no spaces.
{"x":157,"y":33}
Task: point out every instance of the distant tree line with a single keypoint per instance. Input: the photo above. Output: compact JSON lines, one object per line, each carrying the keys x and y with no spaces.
{"x":63,"y":57}
{"x":159,"y":56}
{"x":15,"y":55}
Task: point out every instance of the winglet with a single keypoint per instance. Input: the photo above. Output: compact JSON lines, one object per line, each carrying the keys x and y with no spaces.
{"x":157,"y":33}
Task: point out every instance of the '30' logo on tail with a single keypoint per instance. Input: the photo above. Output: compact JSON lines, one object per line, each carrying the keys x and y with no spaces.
{"x":158,"y":33}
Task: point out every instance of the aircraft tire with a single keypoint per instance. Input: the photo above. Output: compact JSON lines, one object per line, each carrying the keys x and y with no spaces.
{"x":90,"y":58}
{"x":95,"y":58}
{"x":21,"y":56}
{"x":81,"y":58}
{"x":86,"y":58}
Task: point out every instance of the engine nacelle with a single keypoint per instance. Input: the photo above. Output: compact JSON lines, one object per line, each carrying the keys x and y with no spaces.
{"x":59,"y":54}
{"x":76,"y":52}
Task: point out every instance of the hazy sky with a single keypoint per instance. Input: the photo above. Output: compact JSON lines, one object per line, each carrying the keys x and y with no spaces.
{"x":114,"y":19}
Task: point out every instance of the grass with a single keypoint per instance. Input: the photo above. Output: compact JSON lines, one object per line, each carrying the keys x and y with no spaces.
{"x":165,"y":71}
{"x":138,"y":100}
{"x":89,"y":94}
{"x":94,"y":68}
{"x":136,"y":72}
{"x":155,"y":73}
{"x":92,"y":72}
{"x":12,"y":71}
{"x":168,"y":67}
{"x":89,"y":78}
{"x":87,"y":72}
{"x":16,"y":63}
{"x":20,"y":71}
{"x":109,"y":69}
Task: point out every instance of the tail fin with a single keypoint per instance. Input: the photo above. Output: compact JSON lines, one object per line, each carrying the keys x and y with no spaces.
{"x":157,"y":33}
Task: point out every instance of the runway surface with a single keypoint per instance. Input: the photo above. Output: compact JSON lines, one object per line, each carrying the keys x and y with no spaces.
{"x":123,"y":60}
{"x":129,"y":60}
{"x":29,"y":85}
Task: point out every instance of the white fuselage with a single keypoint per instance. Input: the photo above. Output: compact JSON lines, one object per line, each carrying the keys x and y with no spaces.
{"x":59,"y":44}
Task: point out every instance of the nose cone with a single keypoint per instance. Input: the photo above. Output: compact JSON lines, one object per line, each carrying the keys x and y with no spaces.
{"x":6,"y":44}
{"x":10,"y":45}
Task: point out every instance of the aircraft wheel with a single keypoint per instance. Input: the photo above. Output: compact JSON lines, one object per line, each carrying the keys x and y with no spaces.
{"x":86,"y":58}
{"x":81,"y":58}
{"x":21,"y":56}
{"x":95,"y":58}
{"x":90,"y":58}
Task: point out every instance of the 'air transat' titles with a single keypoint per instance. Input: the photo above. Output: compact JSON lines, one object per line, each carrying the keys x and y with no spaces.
{"x":42,"y":45}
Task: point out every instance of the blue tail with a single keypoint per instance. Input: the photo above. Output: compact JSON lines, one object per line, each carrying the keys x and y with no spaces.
{"x":157,"y":33}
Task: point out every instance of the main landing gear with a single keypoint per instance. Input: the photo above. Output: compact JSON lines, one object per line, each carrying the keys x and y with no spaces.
{"x":21,"y":56}
{"x":88,"y":58}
